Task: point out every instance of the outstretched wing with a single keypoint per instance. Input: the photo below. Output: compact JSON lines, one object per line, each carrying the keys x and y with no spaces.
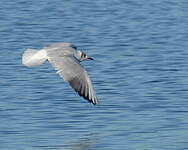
{"x":71,"y":71}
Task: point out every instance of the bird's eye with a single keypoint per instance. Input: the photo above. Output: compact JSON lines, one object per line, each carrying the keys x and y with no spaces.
{"x":83,"y":55}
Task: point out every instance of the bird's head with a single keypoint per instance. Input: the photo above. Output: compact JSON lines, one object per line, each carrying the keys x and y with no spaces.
{"x":81,"y":56}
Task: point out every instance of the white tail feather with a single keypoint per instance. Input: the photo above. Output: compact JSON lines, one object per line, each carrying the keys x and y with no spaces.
{"x":32,"y":57}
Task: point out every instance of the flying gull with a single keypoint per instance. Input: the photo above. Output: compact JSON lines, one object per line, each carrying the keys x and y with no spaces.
{"x":65,"y":58}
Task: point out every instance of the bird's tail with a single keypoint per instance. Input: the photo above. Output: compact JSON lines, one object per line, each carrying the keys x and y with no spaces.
{"x":32,"y":57}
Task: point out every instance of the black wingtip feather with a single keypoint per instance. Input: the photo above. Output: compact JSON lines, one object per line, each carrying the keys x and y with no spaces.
{"x":87,"y":98}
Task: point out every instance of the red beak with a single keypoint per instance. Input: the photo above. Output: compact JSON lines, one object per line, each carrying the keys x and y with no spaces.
{"x":89,"y":58}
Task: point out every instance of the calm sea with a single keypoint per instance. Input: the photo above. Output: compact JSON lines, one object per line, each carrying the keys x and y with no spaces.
{"x":140,"y":75}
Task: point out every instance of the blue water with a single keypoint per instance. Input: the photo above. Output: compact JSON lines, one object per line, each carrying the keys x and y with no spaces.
{"x":140,"y":75}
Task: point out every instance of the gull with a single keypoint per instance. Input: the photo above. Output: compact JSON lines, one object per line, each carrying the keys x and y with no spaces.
{"x":65,"y":58}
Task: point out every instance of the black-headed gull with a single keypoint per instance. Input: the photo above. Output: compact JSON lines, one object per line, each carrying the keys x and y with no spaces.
{"x":65,"y":58}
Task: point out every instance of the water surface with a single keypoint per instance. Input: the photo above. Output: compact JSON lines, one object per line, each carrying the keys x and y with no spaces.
{"x":140,"y":75}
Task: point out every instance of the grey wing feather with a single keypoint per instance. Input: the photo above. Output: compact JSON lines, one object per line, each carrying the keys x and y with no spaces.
{"x":71,"y":71}
{"x":84,"y":87}
{"x":60,"y":45}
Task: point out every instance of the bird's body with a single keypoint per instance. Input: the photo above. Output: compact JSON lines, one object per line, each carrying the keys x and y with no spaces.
{"x":65,"y":58}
